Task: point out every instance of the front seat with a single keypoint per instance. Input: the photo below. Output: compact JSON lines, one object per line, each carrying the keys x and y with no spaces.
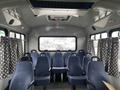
{"x":96,"y":75}
{"x":23,"y":77}
{"x":75,"y":74}
{"x":42,"y":75}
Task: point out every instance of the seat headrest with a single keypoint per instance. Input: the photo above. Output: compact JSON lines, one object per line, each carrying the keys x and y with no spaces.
{"x":81,"y":51}
{"x":45,"y":51}
{"x":27,"y":54}
{"x":33,"y":50}
{"x":58,"y":51}
{"x":73,"y":54}
{"x":95,"y":58}
{"x":26,"y":58}
{"x":43,"y":54}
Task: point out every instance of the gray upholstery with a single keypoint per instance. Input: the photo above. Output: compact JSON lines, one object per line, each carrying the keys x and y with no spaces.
{"x":75,"y":74}
{"x":96,"y":75}
{"x":42,"y":75}
{"x":23,"y":77}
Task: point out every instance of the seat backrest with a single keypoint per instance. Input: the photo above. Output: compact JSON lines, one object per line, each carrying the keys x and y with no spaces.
{"x":22,"y":77}
{"x":34,"y":55}
{"x":96,"y":75}
{"x":86,"y":60}
{"x":49,"y":57}
{"x":81,"y":54}
{"x":74,"y":68}
{"x":58,"y":59}
{"x":42,"y":66}
{"x":66,"y":57}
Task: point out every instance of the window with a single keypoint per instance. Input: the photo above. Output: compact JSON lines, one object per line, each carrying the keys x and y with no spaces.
{"x":18,"y":36}
{"x":12,"y":34}
{"x":57,"y":43}
{"x":23,"y":41}
{"x":115,"y":34}
{"x":103,"y":35}
{"x":96,"y":37}
{"x":92,"y":37}
{"x":2,"y":33}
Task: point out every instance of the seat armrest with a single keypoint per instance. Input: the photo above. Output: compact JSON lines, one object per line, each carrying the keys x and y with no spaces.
{"x":109,"y":86}
{"x":31,"y":84}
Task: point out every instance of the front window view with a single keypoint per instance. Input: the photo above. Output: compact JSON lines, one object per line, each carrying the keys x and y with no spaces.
{"x":57,"y":43}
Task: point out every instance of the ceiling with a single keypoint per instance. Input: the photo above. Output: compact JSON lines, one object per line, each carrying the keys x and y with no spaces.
{"x":31,"y":21}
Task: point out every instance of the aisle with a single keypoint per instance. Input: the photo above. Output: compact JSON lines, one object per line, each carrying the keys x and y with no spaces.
{"x":60,"y":86}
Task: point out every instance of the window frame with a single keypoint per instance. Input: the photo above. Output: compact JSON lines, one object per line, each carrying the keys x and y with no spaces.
{"x":56,"y":50}
{"x":19,"y":38}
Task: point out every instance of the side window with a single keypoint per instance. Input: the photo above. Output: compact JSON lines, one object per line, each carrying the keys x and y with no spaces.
{"x":115,"y":34}
{"x":103,"y":35}
{"x":96,"y":37}
{"x":23,"y":41}
{"x":12,"y":34}
{"x":2,"y":33}
{"x":18,"y":36}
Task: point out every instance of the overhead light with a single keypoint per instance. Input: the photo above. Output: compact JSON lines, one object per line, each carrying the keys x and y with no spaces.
{"x":59,"y":12}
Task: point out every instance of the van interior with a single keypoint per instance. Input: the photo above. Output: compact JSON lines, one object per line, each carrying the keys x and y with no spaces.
{"x":59,"y":44}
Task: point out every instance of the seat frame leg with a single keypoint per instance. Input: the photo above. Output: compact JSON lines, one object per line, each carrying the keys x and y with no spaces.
{"x":44,"y":88}
{"x":73,"y":87}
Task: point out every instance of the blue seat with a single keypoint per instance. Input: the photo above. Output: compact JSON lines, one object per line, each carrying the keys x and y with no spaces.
{"x":86,"y":60}
{"x":23,"y":77}
{"x":49,"y":57}
{"x":66,"y":57}
{"x":42,"y":75}
{"x":34,"y":55}
{"x":96,"y":75}
{"x":75,"y":74}
{"x":66,"y":60}
{"x":81,"y":54}
{"x":58,"y":63}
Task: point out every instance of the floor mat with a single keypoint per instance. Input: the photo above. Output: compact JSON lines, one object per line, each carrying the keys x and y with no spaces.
{"x":60,"y":86}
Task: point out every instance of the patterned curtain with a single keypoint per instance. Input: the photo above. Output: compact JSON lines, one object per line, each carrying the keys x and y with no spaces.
{"x":13,"y":54}
{"x":4,"y":57}
{"x":108,"y":52}
{"x":90,"y":47}
{"x":113,"y":57}
{"x":10,"y":52}
{"x":103,"y":52}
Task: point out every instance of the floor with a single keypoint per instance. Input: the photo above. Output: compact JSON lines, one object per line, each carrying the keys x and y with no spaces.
{"x":60,"y":86}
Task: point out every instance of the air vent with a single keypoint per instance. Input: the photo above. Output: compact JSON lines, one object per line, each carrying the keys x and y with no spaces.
{"x":59,"y":18}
